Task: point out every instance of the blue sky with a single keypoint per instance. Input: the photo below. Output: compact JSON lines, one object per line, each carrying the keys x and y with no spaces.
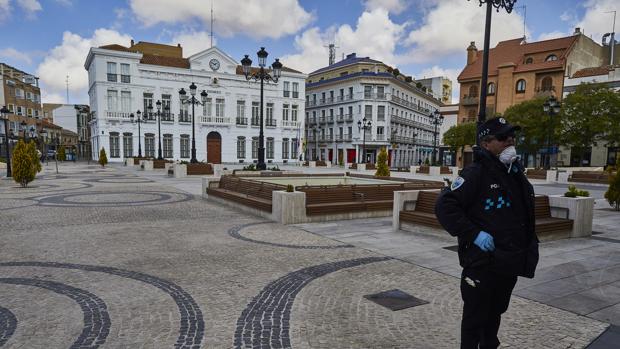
{"x":51,"y":38}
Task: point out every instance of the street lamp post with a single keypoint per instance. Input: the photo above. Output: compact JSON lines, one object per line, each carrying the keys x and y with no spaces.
{"x":316,"y":129}
{"x":139,"y":120}
{"x":150,"y":110}
{"x":24,"y":127}
{"x":362,"y":126}
{"x":262,"y":75}
{"x":57,"y":142}
{"x":508,"y":5}
{"x":193,"y":101}
{"x":437,"y":121}
{"x":551,"y":107}
{"x":4,"y":112}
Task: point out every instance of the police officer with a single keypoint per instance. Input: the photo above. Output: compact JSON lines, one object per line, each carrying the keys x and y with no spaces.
{"x":490,"y":209}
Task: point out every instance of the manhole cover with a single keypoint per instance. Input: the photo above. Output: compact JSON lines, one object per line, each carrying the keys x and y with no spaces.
{"x":395,"y":299}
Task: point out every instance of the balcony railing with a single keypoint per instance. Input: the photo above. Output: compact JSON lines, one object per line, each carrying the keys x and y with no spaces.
{"x":380,"y":138}
{"x":117,"y":115}
{"x":184,"y":116}
{"x":340,"y":119}
{"x":410,"y":105}
{"x":290,"y":124}
{"x":545,"y":91}
{"x":167,"y":117}
{"x":348,"y":117}
{"x":469,"y":100}
{"x":242,"y":121}
{"x":270,"y":123}
{"x":322,"y":120}
{"x":330,"y":119}
{"x":326,"y":138}
{"x":255,"y":121}
{"x":215,"y":120}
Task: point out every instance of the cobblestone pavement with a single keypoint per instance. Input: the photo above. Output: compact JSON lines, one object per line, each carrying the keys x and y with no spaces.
{"x":107,"y":258}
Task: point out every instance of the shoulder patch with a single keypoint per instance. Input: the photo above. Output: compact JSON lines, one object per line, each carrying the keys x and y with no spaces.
{"x":457,"y":183}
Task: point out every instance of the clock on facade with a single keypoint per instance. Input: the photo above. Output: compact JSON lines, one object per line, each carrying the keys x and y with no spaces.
{"x":214,"y":64}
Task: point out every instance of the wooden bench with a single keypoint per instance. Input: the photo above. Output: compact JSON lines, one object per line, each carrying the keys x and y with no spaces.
{"x":536,"y":173}
{"x":250,"y":193}
{"x":424,"y":214}
{"x":136,"y":161}
{"x":424,"y":210}
{"x":197,"y":169}
{"x":424,"y":169}
{"x":320,"y":163}
{"x":160,"y":163}
{"x":589,"y":177}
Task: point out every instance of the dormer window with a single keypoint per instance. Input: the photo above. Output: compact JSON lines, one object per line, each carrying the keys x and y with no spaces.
{"x":529,"y":60}
{"x":551,"y":58}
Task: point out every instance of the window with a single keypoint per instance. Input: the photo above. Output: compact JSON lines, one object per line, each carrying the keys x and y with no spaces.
{"x":125,"y":101}
{"x":294,"y":146}
{"x":29,"y":96}
{"x":520,"y":86}
{"x":112,"y":100}
{"x":285,"y":112}
{"x":206,"y":108}
{"x":284,"y":148}
{"x":547,"y":84}
{"x":551,"y":58}
{"x":368,"y":112}
{"x":473,"y":91}
{"x":380,"y":92}
{"x":254,"y":147}
{"x":111,"y":71}
{"x":147,"y":101}
{"x":149,"y":145}
{"x":29,"y":112}
{"x":286,"y":87}
{"x":184,"y":146}
{"x":127,"y":145}
{"x":240,"y":147}
{"x":269,"y":147}
{"x":294,"y":109}
{"x":165,"y":107}
{"x":114,"y":145}
{"x":19,"y":93}
{"x":219,"y":107}
{"x":184,"y":113}
{"x":255,"y":114}
{"x":167,"y":145}
{"x":269,"y":115}
{"x":20,"y":110}
{"x":125,"y":73}
{"x":529,"y":60}
{"x":350,"y":96}
{"x":295,"y":90}
{"x":381,"y":113}
{"x":240,"y":109}
{"x":367,"y":91}
{"x":491,"y":89}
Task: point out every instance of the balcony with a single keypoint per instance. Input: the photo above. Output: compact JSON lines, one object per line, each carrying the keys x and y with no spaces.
{"x":215,"y":120}
{"x":545,"y":91}
{"x":348,"y":117}
{"x":241,"y":121}
{"x":347,"y":138}
{"x":291,"y":124}
{"x":409,"y":105}
{"x":117,"y":115}
{"x":326,"y":138}
{"x":340,"y":119}
{"x":469,"y":100}
{"x":167,"y":117}
{"x":380,"y":138}
{"x":322,"y":120}
{"x":270,"y":123}
{"x":330,"y":119}
{"x":255,"y":122}
{"x":184,"y":116}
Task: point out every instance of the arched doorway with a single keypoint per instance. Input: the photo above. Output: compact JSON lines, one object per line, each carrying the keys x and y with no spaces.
{"x":214,"y":148}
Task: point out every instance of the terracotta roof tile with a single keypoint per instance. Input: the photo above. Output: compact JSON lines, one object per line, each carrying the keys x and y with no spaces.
{"x":604,"y":70}
{"x":165,"y":61}
{"x":512,"y":51}
{"x":116,"y":47}
{"x":239,"y":70}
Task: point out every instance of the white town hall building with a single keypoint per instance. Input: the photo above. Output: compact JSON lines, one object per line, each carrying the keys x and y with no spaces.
{"x":123,"y":80}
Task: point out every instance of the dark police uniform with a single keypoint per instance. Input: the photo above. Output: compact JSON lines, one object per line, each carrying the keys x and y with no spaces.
{"x":490,"y":197}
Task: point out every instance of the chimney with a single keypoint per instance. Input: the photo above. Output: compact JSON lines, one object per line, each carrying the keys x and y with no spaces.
{"x":178,"y":45}
{"x":351,"y":55}
{"x":131,"y":43}
{"x":577,"y":31}
{"x":472,"y":52}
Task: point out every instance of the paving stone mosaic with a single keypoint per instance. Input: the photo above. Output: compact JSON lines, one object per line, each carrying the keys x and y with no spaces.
{"x":287,"y":235}
{"x":8,"y":323}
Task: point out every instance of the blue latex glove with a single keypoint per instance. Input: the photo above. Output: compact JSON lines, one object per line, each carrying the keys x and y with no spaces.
{"x":485,"y":241}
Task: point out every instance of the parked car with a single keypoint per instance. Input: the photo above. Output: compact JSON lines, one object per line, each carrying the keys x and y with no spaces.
{"x":51,"y":153}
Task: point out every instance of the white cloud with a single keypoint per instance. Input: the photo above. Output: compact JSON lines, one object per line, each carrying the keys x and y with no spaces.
{"x":255,"y":18}
{"x":452,"y":24}
{"x":392,"y":6}
{"x":451,"y":74}
{"x":595,"y":21}
{"x":30,"y":7}
{"x":5,"y":9}
{"x":67,"y":3}
{"x":68,"y":59}
{"x":567,"y":16}
{"x":193,"y":42}
{"x":15,"y":55}
{"x":375,"y":36}
{"x":552,"y":35}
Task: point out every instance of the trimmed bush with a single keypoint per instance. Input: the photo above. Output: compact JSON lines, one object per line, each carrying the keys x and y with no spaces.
{"x":573,"y":192}
{"x":383,"y":170}
{"x":61,"y":155}
{"x":290,"y":188}
{"x":25,"y":163}
{"x":613,"y":192}
{"x":103,"y":158}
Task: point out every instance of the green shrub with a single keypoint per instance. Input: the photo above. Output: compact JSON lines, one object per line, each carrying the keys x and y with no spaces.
{"x":613,"y":192}
{"x":275,"y":168}
{"x":103,"y":158}
{"x":427,"y":162}
{"x":574,"y":192}
{"x":250,"y":167}
{"x":25,"y":163}
{"x":383,"y":170}
{"x":290,"y":188}
{"x":61,"y":155}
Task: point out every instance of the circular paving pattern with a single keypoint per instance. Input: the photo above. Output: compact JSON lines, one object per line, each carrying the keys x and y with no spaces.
{"x":192,"y":325}
{"x":235,"y":233}
{"x":96,"y":319}
{"x":111,"y":199}
{"x":8,"y":324}
{"x":119,"y":180}
{"x":265,"y":322}
{"x":10,"y":204}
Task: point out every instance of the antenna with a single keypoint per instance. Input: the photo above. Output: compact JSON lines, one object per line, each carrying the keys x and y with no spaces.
{"x":612,"y":41}
{"x":211,"y":35}
{"x":524,"y":16}
{"x":332,"y":53}
{"x":67,"y":81}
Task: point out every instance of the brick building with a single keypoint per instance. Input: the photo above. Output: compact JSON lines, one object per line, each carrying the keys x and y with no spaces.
{"x":20,"y":93}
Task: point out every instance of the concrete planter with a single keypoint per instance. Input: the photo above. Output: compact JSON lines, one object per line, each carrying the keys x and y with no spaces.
{"x":128,"y":161}
{"x":580,"y":210}
{"x":289,"y":207}
{"x":361,"y":167}
{"x":177,"y":170}
{"x":219,"y":171}
{"x":401,"y":199}
{"x":311,"y":163}
{"x":146,"y":165}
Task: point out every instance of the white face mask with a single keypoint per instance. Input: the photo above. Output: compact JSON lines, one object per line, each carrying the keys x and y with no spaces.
{"x":508,"y":155}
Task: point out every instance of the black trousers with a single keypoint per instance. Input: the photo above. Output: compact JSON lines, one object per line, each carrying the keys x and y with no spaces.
{"x":486,"y":295}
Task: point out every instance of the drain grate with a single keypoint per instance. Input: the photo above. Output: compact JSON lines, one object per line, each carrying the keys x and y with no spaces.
{"x":395,"y":299}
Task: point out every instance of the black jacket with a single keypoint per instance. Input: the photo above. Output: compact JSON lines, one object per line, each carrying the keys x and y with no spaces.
{"x":486,"y":197}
